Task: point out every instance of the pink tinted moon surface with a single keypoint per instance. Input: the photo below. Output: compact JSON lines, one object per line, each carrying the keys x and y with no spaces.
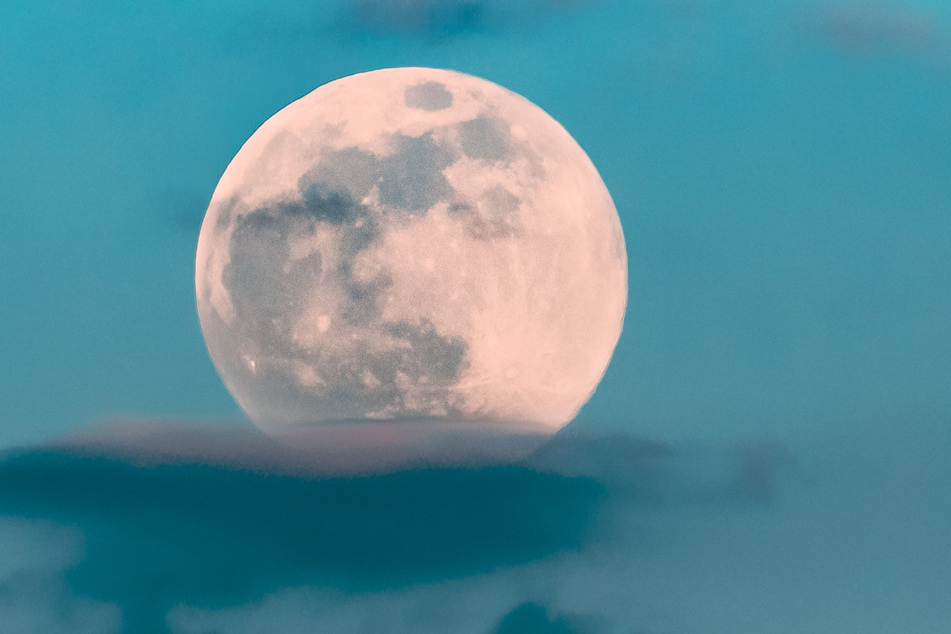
{"x":409,"y":244}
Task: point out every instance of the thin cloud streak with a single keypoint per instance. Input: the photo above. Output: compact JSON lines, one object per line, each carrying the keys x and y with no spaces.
{"x":865,"y":28}
{"x":442,"y":20}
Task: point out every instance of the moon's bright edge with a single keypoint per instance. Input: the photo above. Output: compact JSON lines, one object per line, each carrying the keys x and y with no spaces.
{"x":411,"y":243}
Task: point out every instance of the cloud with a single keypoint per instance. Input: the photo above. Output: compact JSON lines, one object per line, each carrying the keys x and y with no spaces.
{"x":865,"y":520}
{"x":531,"y":617}
{"x":428,"y":21}
{"x":868,"y":27}
{"x":428,"y":17}
{"x":458,"y":607}
{"x":33,"y":596}
{"x":593,"y":534}
{"x":185,"y":523}
{"x":177,"y":527}
{"x":182,"y":211}
{"x":445,"y":19}
{"x":461,"y":607}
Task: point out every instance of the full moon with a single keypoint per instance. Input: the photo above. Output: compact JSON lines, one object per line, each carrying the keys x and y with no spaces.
{"x":411,"y":244}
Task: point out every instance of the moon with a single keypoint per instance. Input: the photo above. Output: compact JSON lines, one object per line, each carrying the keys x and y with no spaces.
{"x":411,"y":244}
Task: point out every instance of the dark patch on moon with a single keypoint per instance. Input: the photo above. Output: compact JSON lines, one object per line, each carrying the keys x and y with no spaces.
{"x":351,"y":170}
{"x":436,"y":359}
{"x":500,"y":202}
{"x":495,"y":215}
{"x":372,"y":378}
{"x":405,"y":369}
{"x":431,"y":96}
{"x":266,"y":284}
{"x":410,"y":370}
{"x":486,"y":138}
{"x":412,"y":178}
{"x":263,"y":281}
{"x":363,"y":304}
{"x":320,"y":204}
{"x":226,"y":213}
{"x":459,"y":208}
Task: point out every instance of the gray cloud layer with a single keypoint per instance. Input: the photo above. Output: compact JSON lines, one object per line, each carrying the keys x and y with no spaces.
{"x":33,"y":597}
{"x":869,"y":27}
{"x":446,"y":19}
{"x":201,"y":531}
{"x":214,"y":519}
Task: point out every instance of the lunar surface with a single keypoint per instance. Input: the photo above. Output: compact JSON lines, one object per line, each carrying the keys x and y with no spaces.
{"x":411,"y":244}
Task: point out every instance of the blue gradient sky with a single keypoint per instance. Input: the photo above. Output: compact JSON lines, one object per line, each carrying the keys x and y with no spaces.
{"x":783,"y":175}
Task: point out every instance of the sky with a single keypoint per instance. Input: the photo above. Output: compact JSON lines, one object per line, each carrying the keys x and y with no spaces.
{"x":781,"y":171}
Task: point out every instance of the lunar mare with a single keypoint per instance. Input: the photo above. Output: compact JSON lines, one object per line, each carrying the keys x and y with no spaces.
{"x":411,"y":243}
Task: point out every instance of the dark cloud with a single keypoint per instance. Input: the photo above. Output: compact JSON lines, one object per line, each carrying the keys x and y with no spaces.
{"x":531,"y":618}
{"x":447,"y":19}
{"x":219,"y":530}
{"x":179,"y":209}
{"x":864,"y":28}
{"x":434,"y":18}
{"x":209,"y":535}
{"x":217,"y":518}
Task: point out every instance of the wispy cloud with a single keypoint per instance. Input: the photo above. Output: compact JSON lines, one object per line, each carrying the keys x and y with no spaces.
{"x":487,"y":605}
{"x":178,"y":209}
{"x":426,"y":17}
{"x":866,"y":27}
{"x":33,"y":595}
{"x":444,"y":19}
{"x":532,"y":617}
